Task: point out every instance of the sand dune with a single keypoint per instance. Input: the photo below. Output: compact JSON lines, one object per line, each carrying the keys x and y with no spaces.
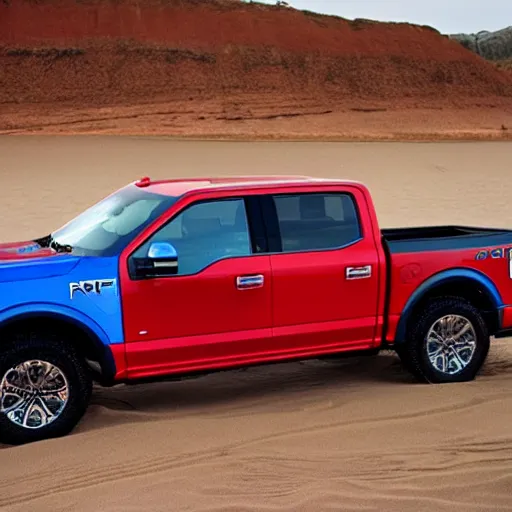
{"x":210,"y":68}
{"x":357,"y":434}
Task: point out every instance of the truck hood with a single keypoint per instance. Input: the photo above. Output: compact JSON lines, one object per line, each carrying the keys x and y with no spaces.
{"x":23,"y":251}
{"x":20,"y":261}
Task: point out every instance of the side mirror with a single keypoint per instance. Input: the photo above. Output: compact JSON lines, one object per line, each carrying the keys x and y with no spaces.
{"x":163,"y":252}
{"x":161,"y":260}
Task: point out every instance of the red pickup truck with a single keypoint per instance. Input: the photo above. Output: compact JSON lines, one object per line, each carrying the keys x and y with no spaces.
{"x":178,"y":278}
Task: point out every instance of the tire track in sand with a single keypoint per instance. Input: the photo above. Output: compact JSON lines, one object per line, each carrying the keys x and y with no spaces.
{"x":139,"y":468}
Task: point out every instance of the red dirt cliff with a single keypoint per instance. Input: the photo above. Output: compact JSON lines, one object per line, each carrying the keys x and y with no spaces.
{"x":228,"y":59}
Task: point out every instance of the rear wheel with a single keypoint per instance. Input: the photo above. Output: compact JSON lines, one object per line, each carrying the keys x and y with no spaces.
{"x":447,"y":341}
{"x":44,"y":390}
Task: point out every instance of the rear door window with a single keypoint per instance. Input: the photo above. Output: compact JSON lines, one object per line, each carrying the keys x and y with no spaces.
{"x":317,"y":221}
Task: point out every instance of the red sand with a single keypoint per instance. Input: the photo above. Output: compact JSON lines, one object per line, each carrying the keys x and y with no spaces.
{"x":62,"y":56}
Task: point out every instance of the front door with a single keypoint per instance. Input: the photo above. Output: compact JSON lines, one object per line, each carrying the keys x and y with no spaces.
{"x":215,"y":311}
{"x":326,"y":274}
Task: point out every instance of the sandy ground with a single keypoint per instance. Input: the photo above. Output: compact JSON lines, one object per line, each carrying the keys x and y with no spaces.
{"x":352,"y":435}
{"x":268,"y":118}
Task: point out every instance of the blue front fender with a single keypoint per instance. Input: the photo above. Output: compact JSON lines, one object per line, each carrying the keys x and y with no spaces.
{"x":43,"y":309}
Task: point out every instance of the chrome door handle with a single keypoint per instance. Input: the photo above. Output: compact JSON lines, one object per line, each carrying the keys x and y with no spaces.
{"x":248,"y":282}
{"x":358,"y":272}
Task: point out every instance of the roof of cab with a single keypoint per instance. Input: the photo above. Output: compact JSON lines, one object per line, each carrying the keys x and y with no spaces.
{"x":180,"y":186}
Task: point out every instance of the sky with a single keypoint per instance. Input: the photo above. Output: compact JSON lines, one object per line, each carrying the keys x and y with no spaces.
{"x":447,"y":16}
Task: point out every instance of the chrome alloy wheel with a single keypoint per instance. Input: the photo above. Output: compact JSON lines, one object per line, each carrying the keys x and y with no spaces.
{"x":451,"y":344}
{"x":33,"y":394}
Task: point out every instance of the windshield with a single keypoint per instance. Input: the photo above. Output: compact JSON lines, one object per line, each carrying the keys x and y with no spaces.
{"x":105,"y":228}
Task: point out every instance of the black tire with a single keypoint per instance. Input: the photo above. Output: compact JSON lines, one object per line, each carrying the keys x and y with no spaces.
{"x":79,"y":386}
{"x":414,"y":354}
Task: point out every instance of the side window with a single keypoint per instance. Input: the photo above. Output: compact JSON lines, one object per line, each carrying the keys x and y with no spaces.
{"x":204,"y":233}
{"x":317,"y":221}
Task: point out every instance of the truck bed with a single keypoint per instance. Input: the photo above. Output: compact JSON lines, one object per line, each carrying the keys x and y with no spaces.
{"x":438,"y":238}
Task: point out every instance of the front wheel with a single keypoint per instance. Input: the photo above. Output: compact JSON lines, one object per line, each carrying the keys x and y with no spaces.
{"x":44,"y":390}
{"x":448,"y":341}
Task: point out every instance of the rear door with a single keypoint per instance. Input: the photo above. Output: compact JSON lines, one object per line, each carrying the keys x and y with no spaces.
{"x":325,"y":269}
{"x":216,"y":311}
